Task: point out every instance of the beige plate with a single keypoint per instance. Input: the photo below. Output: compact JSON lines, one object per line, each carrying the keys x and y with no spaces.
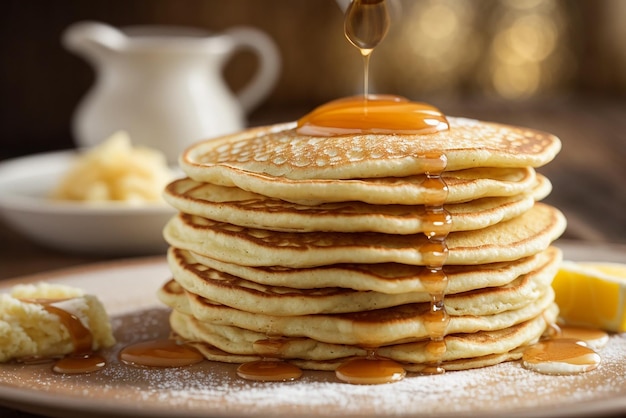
{"x":211,"y":389}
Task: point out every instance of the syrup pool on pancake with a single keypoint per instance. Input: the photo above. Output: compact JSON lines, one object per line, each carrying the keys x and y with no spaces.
{"x":380,"y":114}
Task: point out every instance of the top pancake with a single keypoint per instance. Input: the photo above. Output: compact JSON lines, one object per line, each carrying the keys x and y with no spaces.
{"x":279,"y":151}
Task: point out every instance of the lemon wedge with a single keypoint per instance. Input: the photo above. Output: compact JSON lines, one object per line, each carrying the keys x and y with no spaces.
{"x":592,"y":294}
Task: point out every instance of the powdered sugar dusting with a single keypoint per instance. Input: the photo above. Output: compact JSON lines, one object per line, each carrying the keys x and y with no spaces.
{"x":214,"y":388}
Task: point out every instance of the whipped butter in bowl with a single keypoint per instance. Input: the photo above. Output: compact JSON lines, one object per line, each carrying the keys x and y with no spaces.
{"x":104,"y":200}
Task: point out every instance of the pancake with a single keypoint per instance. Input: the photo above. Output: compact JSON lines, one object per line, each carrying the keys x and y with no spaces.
{"x":450,"y":365}
{"x":239,"y":207}
{"x":236,"y":345}
{"x":400,"y":324}
{"x":390,"y":278}
{"x":463,"y":185}
{"x":215,"y":354}
{"x":476,"y":346}
{"x":241,"y":294}
{"x":519,"y":237}
{"x":279,"y":152}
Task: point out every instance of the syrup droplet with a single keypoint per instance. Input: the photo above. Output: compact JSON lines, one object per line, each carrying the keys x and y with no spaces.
{"x":434,"y":253}
{"x":160,"y":353}
{"x":267,"y":370}
{"x":365,"y":25}
{"x":270,"y":347}
{"x":560,"y":356}
{"x":434,"y":280}
{"x":437,"y":222}
{"x":370,"y":371}
{"x":79,"y":364}
{"x":383,"y":114}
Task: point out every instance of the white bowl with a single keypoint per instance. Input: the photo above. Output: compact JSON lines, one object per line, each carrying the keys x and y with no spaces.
{"x":112,"y":228}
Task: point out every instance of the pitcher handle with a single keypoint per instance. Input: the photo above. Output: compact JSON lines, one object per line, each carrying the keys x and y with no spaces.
{"x":266,"y":76}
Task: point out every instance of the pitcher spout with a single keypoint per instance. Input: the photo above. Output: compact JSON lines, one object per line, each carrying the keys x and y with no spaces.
{"x":92,"y":40}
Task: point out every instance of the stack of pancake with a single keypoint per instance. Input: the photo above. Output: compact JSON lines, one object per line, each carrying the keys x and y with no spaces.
{"x":307,"y":248}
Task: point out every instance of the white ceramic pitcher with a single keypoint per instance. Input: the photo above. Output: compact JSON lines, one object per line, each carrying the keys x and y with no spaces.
{"x":164,"y":85}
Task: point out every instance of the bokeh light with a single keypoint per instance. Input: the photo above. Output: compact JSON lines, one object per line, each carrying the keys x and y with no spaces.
{"x":513,"y":49}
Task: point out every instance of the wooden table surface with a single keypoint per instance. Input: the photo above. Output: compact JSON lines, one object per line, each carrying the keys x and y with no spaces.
{"x":588,"y":177}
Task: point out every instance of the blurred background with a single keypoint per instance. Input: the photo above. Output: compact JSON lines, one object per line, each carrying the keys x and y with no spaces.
{"x":556,"y":65}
